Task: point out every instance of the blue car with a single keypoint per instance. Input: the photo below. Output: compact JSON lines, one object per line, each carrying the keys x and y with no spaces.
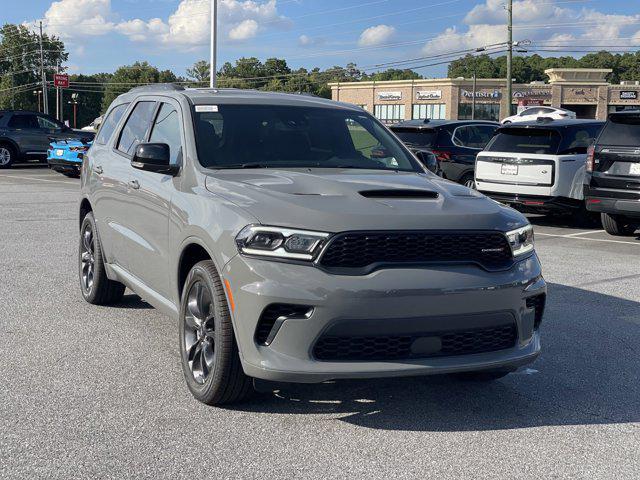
{"x":65,"y":156}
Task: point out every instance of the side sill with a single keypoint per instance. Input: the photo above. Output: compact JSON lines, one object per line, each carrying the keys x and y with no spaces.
{"x":166,"y":306}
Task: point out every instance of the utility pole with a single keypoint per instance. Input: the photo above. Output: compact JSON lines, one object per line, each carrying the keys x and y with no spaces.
{"x":214,"y":34}
{"x":473,"y":100}
{"x":45,"y":100}
{"x":509,"y":54}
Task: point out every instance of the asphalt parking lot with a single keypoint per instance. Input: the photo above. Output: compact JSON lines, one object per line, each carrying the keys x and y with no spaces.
{"x":92,"y":392}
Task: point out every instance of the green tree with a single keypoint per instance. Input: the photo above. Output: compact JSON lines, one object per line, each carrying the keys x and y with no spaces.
{"x":90,"y":90}
{"x":129,"y":76}
{"x":393,"y":74}
{"x":20,"y":65}
{"x":200,"y":71}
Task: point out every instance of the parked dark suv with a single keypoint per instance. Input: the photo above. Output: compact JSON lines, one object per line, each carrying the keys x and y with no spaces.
{"x":612,"y":183}
{"x":455,"y":143}
{"x":26,"y":135}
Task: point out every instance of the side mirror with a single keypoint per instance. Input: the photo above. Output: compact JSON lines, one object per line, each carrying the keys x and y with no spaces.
{"x":429,"y":160}
{"x":154,"y":157}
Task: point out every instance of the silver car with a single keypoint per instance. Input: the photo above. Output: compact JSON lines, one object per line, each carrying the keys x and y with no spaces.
{"x":296,"y":239}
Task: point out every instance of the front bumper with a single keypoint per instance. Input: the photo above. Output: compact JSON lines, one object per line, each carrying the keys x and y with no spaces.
{"x":421,"y":296}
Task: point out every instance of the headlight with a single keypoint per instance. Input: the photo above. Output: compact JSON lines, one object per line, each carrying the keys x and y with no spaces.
{"x":280,"y":242}
{"x":521,"y":240}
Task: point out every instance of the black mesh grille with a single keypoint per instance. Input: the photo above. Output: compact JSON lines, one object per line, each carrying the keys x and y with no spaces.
{"x":274,"y":311}
{"x":333,"y":348}
{"x":360,"y":249}
{"x":537,"y":302}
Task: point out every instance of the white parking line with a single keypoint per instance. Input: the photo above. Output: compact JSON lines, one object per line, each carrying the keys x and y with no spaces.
{"x":39,"y":179}
{"x":583,"y":233}
{"x":586,"y":238}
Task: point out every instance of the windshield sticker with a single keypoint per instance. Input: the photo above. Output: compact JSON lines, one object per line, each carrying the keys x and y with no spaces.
{"x":206,"y":108}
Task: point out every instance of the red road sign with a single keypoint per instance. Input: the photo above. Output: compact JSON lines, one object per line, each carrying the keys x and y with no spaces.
{"x":61,"y":80}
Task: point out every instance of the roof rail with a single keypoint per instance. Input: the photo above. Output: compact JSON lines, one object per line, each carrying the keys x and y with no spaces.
{"x":154,"y":87}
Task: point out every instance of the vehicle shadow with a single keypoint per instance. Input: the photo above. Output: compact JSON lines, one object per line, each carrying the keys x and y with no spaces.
{"x":588,"y":374}
{"x":133,"y":302}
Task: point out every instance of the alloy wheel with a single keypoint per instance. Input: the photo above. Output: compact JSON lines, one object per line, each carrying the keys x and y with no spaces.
{"x":5,"y":156}
{"x":87,"y":257}
{"x":199,"y":331}
{"x":470,"y":183}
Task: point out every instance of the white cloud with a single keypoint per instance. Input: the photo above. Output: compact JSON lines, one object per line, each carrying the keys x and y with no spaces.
{"x":376,"y":35}
{"x":68,"y":18}
{"x":186,"y":27}
{"x":534,"y":20}
{"x":244,"y":30}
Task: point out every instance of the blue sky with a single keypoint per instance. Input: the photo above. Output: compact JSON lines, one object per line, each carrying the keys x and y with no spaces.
{"x":104,"y":34}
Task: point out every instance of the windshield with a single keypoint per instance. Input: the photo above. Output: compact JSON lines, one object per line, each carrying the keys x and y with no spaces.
{"x":421,"y":138}
{"x":525,"y":140}
{"x":268,"y":136}
{"x":621,"y":130}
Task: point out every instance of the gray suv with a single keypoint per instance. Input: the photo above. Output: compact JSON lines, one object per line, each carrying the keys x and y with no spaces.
{"x":288,"y":249}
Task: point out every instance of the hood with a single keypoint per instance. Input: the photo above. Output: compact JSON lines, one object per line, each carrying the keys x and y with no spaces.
{"x":336,"y":200}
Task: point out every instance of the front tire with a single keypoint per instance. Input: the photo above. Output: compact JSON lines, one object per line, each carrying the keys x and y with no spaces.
{"x":208,"y":351}
{"x":618,"y":226}
{"x":95,"y":286}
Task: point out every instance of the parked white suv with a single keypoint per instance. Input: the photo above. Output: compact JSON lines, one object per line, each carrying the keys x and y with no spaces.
{"x":537,"y":166}
{"x":533,"y":113}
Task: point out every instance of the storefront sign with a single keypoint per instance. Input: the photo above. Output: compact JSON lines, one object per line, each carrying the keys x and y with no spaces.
{"x":628,"y":95}
{"x":389,"y":95}
{"x":531,"y":93}
{"x":429,"y":94}
{"x":483,"y":94}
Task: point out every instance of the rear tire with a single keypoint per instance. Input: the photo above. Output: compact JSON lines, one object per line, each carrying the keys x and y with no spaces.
{"x":482,"y":376}
{"x":208,"y":350}
{"x":469,"y":181}
{"x":95,"y":286}
{"x":8,"y":155}
{"x":618,"y":225}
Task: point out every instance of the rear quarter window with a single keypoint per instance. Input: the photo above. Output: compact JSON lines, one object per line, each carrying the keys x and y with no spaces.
{"x":110,"y":123}
{"x":621,"y":130}
{"x":525,"y":140}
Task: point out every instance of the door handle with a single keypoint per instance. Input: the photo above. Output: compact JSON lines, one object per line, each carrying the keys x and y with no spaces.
{"x":98,"y":169}
{"x":134,"y":184}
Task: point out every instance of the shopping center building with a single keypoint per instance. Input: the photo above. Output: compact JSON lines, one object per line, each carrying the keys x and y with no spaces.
{"x":582,"y":90}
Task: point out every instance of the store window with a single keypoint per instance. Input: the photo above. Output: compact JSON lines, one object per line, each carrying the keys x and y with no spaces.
{"x":435,"y":111}
{"x":484,"y":111}
{"x":389,"y":113}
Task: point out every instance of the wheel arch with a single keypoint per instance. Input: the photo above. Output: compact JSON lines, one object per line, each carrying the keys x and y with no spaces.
{"x":85,"y":207}
{"x":10,"y":142}
{"x":192,"y":252}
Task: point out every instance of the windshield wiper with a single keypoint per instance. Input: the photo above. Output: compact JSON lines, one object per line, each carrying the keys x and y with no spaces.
{"x":239,"y":165}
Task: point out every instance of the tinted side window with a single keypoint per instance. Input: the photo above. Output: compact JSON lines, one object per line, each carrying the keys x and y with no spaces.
{"x":166,"y":129}
{"x":136,"y":127}
{"x":47,"y":123}
{"x":23,"y":121}
{"x":473,"y":136}
{"x":577,"y":139}
{"x":110,"y":123}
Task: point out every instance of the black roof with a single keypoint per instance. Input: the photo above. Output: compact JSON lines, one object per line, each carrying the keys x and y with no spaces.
{"x":550,"y":124}
{"x":425,"y":124}
{"x":21,"y":111}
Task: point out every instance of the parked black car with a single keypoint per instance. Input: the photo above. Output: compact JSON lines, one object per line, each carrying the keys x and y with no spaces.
{"x":455,"y":143}
{"x":612,"y":182}
{"x":26,"y":135}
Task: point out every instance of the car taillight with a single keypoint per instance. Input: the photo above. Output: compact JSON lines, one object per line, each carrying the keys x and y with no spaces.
{"x":591,"y":151}
{"x":442,"y":156}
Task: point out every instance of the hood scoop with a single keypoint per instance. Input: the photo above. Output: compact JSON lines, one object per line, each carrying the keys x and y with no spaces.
{"x":398,"y":193}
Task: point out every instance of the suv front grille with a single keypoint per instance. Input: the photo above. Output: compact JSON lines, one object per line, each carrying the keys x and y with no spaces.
{"x":362,"y":250}
{"x":399,"y":347}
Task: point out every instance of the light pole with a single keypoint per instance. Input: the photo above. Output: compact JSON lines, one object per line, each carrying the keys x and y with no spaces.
{"x":509,"y":54}
{"x":214,"y":34}
{"x":74,"y":102}
{"x":37,"y":94}
{"x":475,"y":76}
